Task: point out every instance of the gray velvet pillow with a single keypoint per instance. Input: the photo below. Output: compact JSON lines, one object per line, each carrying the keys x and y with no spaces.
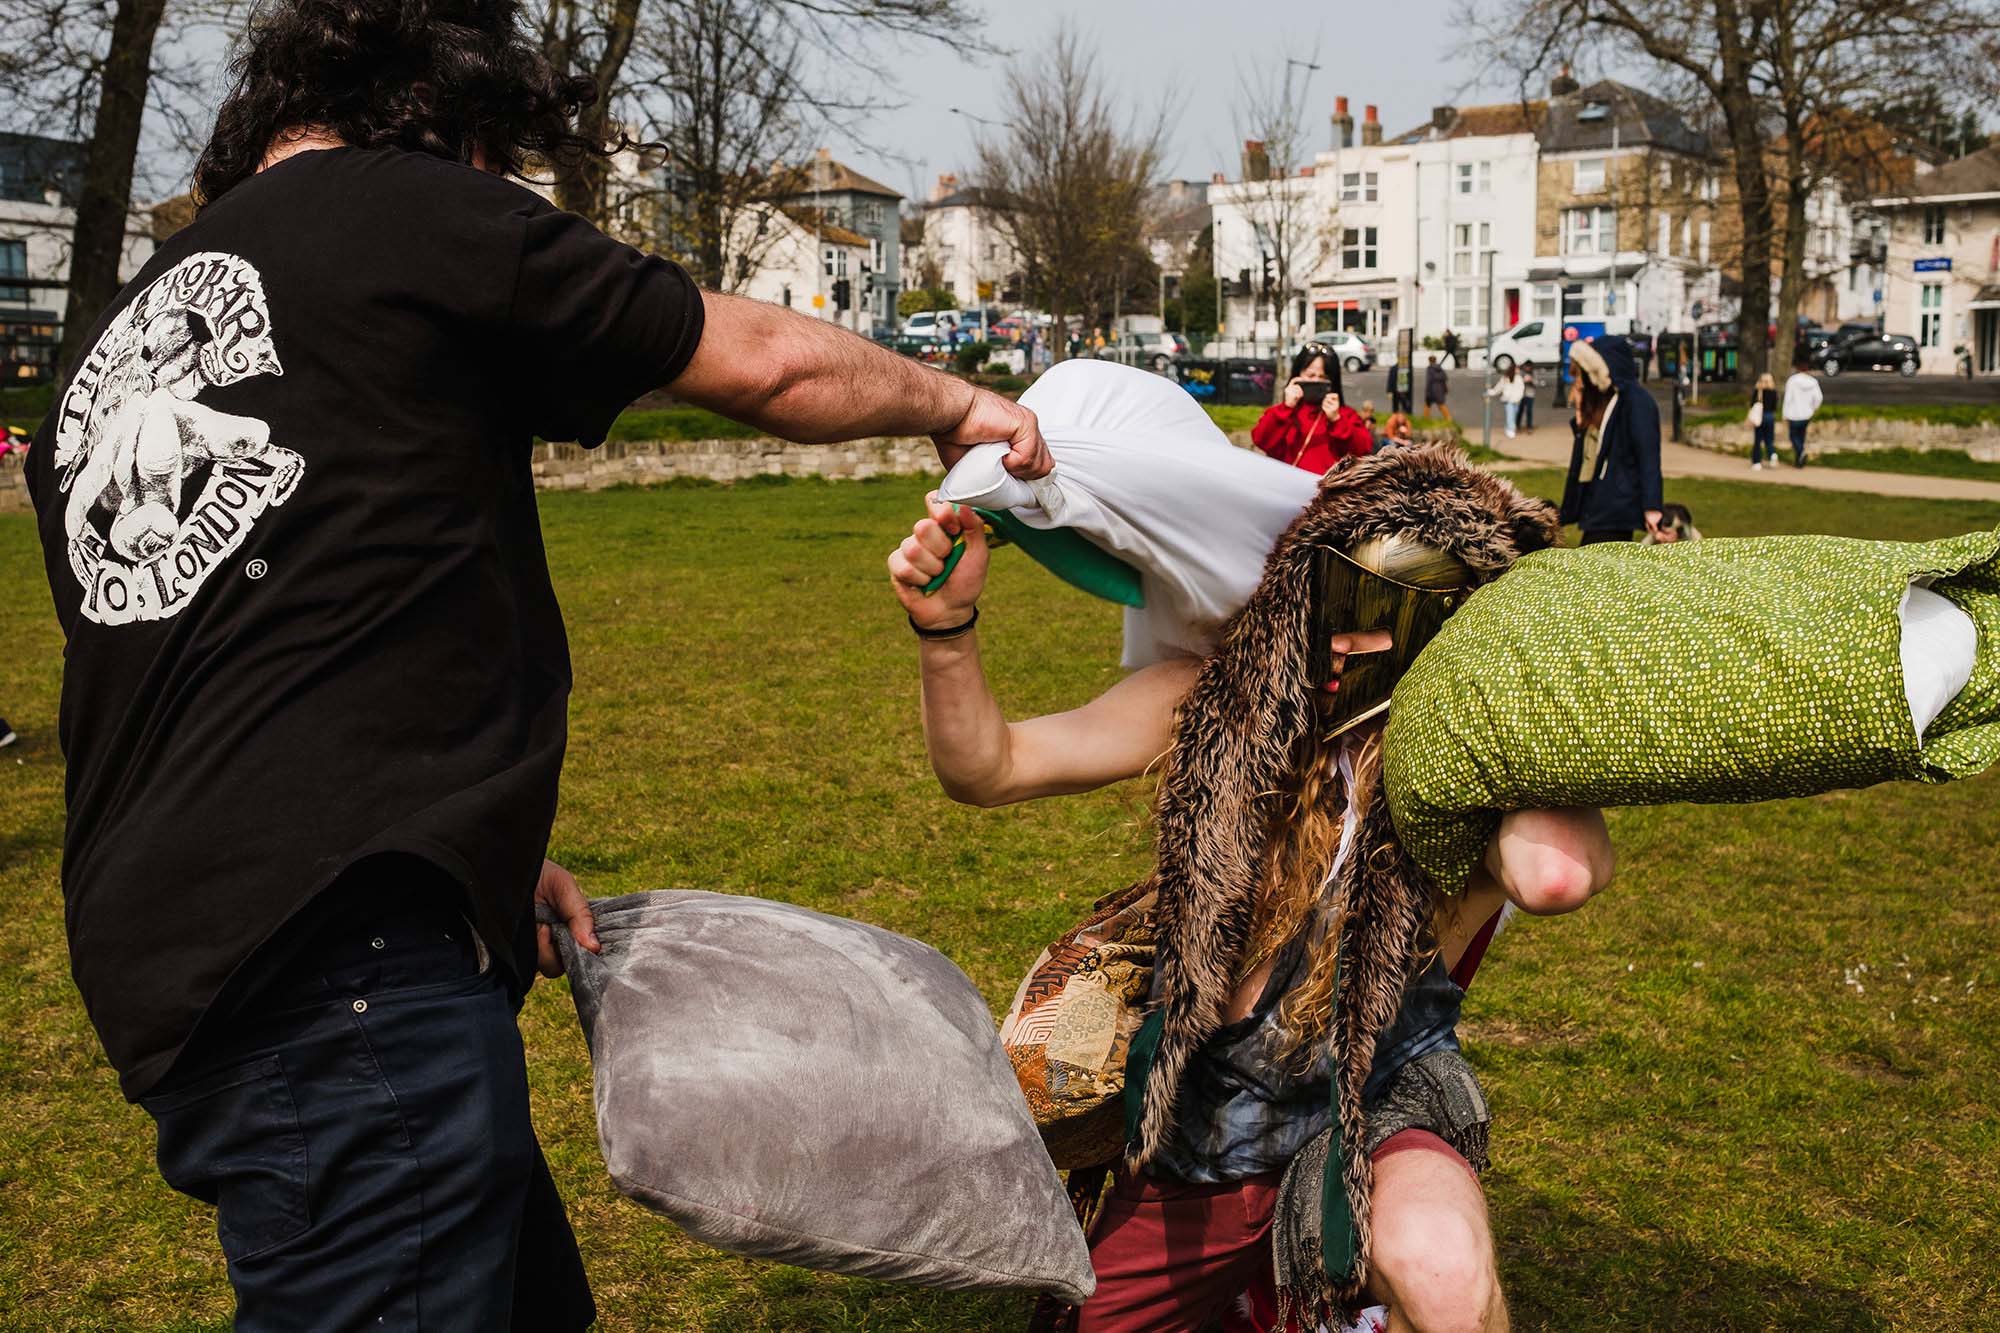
{"x":799,"y":1087}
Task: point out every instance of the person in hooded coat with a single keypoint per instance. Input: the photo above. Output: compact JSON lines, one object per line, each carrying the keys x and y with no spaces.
{"x":1613,"y":489}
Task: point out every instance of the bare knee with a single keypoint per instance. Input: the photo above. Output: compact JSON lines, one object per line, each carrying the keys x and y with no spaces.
{"x":1436,"y":1269}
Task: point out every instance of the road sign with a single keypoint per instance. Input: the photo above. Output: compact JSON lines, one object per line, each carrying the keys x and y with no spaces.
{"x":1932,"y":266}
{"x":1696,"y":311}
{"x":819,"y":302}
{"x":1877,"y":296}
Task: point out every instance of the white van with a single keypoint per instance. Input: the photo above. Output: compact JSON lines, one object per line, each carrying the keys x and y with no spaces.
{"x":1531,"y":342}
{"x":928,"y":323}
{"x":1539,"y":341}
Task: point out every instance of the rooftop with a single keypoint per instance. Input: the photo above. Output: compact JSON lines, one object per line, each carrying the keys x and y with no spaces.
{"x":830,"y":177}
{"x":1476,"y":122}
{"x":1607,"y":112}
{"x":812,"y":221}
{"x":1975,"y":173}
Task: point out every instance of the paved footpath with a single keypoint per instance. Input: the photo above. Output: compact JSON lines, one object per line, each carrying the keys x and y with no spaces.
{"x":1549,"y":446}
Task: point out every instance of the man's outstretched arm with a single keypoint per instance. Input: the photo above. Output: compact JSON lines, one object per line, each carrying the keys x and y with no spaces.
{"x":805,"y":380}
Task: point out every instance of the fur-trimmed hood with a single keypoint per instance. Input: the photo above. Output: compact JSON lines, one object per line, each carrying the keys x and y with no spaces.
{"x":1240,"y":737}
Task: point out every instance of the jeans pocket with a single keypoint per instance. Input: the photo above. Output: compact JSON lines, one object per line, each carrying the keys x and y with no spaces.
{"x":232,"y":1139}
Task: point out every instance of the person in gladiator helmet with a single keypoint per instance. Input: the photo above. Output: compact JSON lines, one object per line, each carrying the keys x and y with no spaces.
{"x":1302,"y":986}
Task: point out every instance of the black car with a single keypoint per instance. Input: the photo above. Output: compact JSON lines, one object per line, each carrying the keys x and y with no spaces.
{"x":1871,"y":351}
{"x":1813,"y":344}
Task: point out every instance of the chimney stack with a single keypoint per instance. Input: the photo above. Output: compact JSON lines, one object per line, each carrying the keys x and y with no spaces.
{"x":1343,"y":124}
{"x":1256,"y":162}
{"x":1442,"y":118}
{"x":946,"y":185}
{"x":1564,"y":84}
{"x":1217,"y":178}
{"x":1371,"y":126}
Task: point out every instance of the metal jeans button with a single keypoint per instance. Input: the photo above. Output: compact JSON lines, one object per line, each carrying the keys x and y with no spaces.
{"x":378,"y":943}
{"x":361,"y":1006}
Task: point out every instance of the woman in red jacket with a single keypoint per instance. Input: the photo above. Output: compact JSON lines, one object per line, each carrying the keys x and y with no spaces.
{"x":1306,"y":429}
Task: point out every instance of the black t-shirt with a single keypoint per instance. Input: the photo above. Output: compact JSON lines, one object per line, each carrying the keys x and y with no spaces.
{"x":289,"y":523}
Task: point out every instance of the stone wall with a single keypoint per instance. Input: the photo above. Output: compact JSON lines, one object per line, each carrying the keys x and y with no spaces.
{"x":14,"y":483}
{"x":566,"y":467}
{"x":1861,"y":436}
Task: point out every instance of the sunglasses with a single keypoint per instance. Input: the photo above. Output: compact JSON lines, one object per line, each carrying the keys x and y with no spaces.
{"x":1349,"y":598}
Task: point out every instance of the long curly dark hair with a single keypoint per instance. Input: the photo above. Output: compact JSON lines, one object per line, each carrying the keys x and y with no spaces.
{"x":454,"y":78}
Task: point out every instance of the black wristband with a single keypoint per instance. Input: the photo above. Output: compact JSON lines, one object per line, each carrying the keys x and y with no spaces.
{"x":937,"y":635}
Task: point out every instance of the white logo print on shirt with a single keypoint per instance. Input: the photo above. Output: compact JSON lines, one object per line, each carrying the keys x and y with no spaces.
{"x":163,"y":489}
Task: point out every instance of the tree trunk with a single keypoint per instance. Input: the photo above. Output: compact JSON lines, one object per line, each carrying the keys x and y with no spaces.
{"x":1753,"y":191}
{"x":580,"y":180}
{"x":105,"y":201}
{"x":1792,"y":278}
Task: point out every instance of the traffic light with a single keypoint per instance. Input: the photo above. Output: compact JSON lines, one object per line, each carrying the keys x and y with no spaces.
{"x":843,"y":292}
{"x":1270,"y":279}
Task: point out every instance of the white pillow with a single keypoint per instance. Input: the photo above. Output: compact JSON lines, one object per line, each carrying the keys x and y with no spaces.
{"x":1143,"y":473}
{"x":1939,"y":645}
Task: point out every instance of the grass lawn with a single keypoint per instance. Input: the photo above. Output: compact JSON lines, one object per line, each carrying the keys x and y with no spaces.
{"x":1915,"y":462}
{"x":1701,"y":1121}
{"x":1728,"y":409}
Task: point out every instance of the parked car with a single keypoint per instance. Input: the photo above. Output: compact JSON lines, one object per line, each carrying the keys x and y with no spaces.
{"x":1353,"y":350}
{"x":1813,"y":344}
{"x":930,"y":323}
{"x":1873,"y":351}
{"x":1532,"y":342}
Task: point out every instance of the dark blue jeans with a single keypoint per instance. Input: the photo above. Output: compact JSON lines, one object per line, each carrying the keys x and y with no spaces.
{"x":361,"y":1127}
{"x":1763,"y":441}
{"x":1797,"y":430}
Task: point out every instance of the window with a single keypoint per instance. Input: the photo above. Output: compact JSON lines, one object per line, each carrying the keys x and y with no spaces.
{"x":1666,"y":173}
{"x":1589,"y":174}
{"x":13,"y":264}
{"x":1486,"y":178}
{"x":1589,"y":231}
{"x":788,"y":293}
{"x":1359,"y":187}
{"x":1357,"y":247}
{"x":1665,"y":246}
{"x":1583,"y":300}
{"x":1933,"y":230}
{"x":1931,"y":320}
{"x":1704,"y":242}
{"x":1465,"y":178}
{"x":836,"y":261}
{"x":1687,"y":235}
{"x":1545,"y":300}
{"x":874,"y":254}
{"x":1530,"y":330}
{"x":1464,"y":258}
{"x":1469,"y":306}
{"x":1475,"y":174}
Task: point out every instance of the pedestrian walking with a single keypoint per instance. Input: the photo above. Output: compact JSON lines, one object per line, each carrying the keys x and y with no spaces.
{"x":1613,"y":487}
{"x":315,"y":667}
{"x":1436,"y":388}
{"x":1509,"y":390}
{"x":1764,"y":422}
{"x":1451,"y":348}
{"x":1802,"y":399}
{"x":1527,"y":395}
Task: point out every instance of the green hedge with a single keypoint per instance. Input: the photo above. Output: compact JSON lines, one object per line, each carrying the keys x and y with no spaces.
{"x":1730,"y":412}
{"x":679,"y":423}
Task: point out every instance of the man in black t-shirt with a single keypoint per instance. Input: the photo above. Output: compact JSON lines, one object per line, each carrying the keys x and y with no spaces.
{"x":316,"y":681}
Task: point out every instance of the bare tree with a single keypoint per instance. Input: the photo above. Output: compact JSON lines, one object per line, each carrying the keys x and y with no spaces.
{"x":1283,"y":211}
{"x":1065,"y":178}
{"x":98,"y":72}
{"x":616,"y":45}
{"x":1781,"y":75}
{"x":1820,"y":63}
{"x":730,"y":108}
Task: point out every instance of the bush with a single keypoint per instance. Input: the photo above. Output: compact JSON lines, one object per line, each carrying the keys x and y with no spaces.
{"x":1006,"y":383}
{"x":996,"y":368}
{"x":971,"y":356}
{"x":25,"y":407}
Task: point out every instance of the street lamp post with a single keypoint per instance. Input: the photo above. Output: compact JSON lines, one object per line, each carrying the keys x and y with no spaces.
{"x":1486,"y":399}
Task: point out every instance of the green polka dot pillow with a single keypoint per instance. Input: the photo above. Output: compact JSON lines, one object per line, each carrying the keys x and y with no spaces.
{"x":1711,"y":671}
